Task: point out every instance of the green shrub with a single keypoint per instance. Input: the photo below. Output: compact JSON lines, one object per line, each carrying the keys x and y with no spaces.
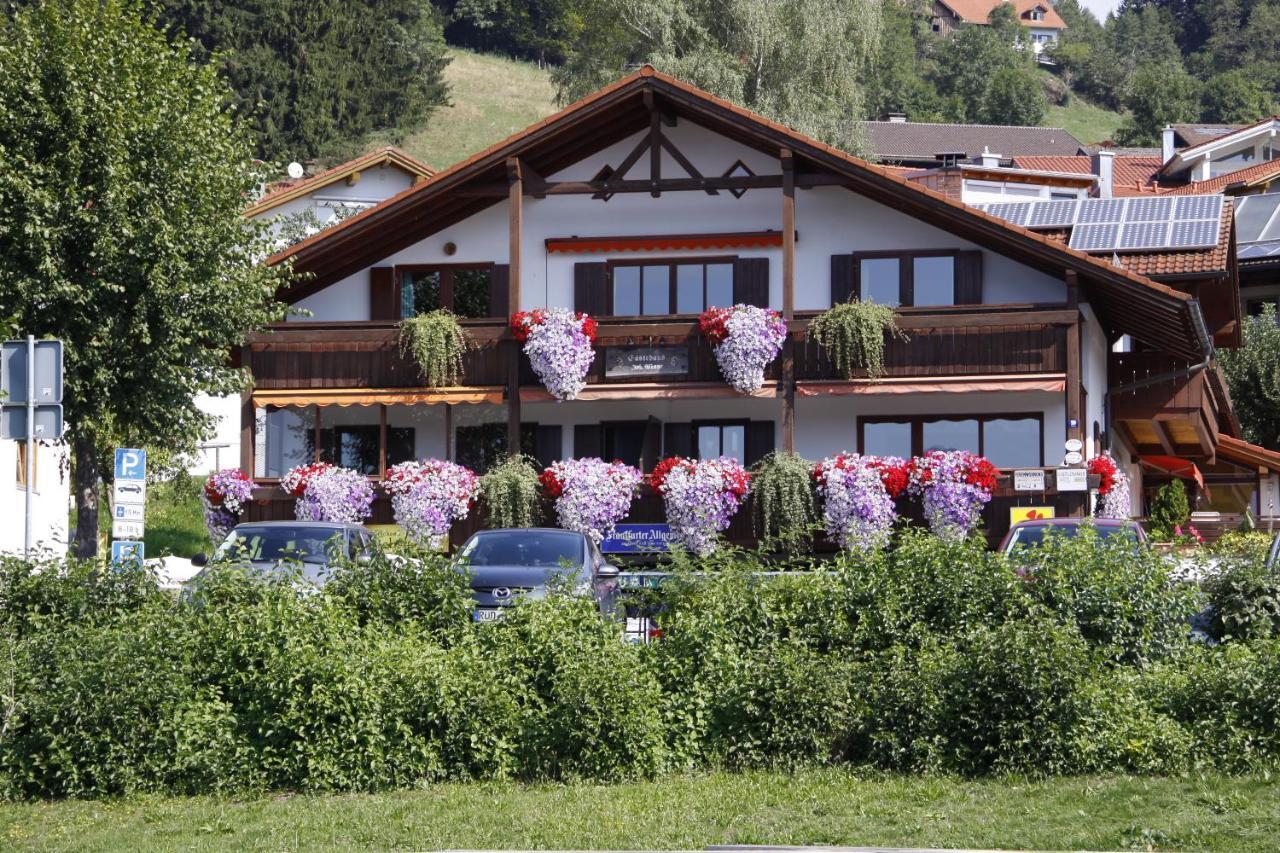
{"x":853,"y":335}
{"x":1169,"y":511}
{"x":411,"y":587}
{"x":436,"y":342}
{"x":783,"y":500}
{"x":509,"y":493}
{"x":1243,"y":594}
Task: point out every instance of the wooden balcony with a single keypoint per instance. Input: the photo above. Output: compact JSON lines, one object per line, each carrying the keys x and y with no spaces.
{"x":940,"y":342}
{"x":1172,"y":417}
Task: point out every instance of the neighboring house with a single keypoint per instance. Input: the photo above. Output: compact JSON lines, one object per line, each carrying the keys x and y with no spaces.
{"x":1044,"y":24}
{"x":651,"y":200}
{"x":1199,"y":153}
{"x":50,"y":500}
{"x":926,"y":144}
{"x":989,"y":181}
{"x":298,"y":208}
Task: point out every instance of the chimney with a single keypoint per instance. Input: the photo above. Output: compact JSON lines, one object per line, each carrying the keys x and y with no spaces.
{"x":898,"y":118}
{"x":1166,"y":144}
{"x":986,"y":158}
{"x":1103,"y":162}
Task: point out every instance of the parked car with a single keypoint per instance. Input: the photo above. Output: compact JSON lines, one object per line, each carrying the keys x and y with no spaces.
{"x":505,"y":565}
{"x":276,"y":547}
{"x":1028,"y":534}
{"x":1273,"y":554}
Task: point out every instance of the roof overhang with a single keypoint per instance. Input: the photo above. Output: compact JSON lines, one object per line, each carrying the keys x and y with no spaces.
{"x":383,"y":157}
{"x":1137,"y":306}
{"x":1187,"y":157}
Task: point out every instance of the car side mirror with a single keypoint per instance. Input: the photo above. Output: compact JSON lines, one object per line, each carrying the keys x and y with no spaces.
{"x":200,"y":560}
{"x":608,"y":571}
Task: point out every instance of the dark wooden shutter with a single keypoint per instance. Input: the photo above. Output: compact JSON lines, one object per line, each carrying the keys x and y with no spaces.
{"x":677,"y":440}
{"x":384,"y":294}
{"x":588,"y":440}
{"x":498,"y":290}
{"x":759,"y":442}
{"x":547,"y":446}
{"x":969,"y":278}
{"x":751,"y":282}
{"x":591,"y":289}
{"x":652,"y":450}
{"x":844,"y":286}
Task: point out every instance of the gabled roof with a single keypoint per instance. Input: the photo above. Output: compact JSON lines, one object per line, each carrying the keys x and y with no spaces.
{"x":913,"y":140}
{"x":1243,"y":453}
{"x":1229,"y":135}
{"x":1246,"y":178}
{"x":289,"y":189}
{"x":1141,"y":307}
{"x":979,"y":12}
{"x":1215,"y":260}
{"x":1129,"y":175}
{"x":1197,"y":133}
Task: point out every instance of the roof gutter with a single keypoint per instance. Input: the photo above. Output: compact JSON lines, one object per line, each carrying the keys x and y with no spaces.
{"x":1206,"y":345}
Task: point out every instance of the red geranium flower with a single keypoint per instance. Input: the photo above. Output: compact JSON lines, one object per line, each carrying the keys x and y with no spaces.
{"x":551,"y":484}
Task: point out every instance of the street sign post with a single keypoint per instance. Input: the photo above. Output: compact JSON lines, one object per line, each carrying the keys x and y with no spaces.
{"x":126,"y":551}
{"x":129,"y":495}
{"x":30,"y":406}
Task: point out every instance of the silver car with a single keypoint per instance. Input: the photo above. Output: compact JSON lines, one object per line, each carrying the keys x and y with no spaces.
{"x":276,"y":547}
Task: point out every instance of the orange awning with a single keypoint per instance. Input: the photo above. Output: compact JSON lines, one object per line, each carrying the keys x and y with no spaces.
{"x":661,"y":243}
{"x":1174,"y":467}
{"x":1051,"y":382}
{"x":651,"y":391}
{"x":376,"y":396}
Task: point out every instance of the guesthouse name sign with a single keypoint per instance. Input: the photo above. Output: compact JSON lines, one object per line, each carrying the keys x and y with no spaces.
{"x":635,"y":362}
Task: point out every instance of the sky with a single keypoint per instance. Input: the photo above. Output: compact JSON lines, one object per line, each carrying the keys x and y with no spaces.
{"x":1100,"y":8}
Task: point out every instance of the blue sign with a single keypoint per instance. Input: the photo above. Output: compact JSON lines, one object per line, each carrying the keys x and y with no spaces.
{"x":638,"y":539}
{"x":127,"y":551}
{"x":131,"y":464}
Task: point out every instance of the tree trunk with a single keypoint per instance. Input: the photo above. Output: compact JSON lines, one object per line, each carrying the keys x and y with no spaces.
{"x":87,"y":484}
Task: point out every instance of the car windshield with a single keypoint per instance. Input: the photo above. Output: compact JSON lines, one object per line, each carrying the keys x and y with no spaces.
{"x":291,"y":542}
{"x":1027,"y":537}
{"x":536,"y":548}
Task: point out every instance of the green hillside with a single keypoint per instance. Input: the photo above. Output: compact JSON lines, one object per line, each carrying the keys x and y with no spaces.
{"x":1089,"y":123}
{"x":492,"y":97}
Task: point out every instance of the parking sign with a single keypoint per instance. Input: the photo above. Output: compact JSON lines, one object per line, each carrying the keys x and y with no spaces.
{"x":125,"y":551}
{"x":131,"y":463}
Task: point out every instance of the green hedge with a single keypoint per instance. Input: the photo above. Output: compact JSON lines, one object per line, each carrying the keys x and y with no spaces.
{"x":929,"y":657}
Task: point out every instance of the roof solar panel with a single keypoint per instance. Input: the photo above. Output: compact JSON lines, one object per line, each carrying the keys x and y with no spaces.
{"x":1053,"y":214}
{"x":1015,"y":212}
{"x":1194,"y":234}
{"x":1254,"y":251}
{"x":1148,"y":210}
{"x":1198,"y":207}
{"x":1094,"y":238}
{"x":1094,"y":210}
{"x":1143,"y":235}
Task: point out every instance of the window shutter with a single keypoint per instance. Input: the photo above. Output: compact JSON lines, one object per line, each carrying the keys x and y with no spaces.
{"x":677,"y":440}
{"x":547,"y":445}
{"x":498,"y":278}
{"x":759,"y":443}
{"x":969,"y":278}
{"x":384,"y":294}
{"x":751,"y":282}
{"x":844,"y":285}
{"x":591,"y":289}
{"x":588,"y":440}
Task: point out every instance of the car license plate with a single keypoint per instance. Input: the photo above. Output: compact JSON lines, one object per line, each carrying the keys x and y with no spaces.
{"x":490,"y":614}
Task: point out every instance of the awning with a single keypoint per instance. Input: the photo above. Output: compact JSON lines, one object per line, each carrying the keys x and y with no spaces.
{"x":661,"y":243}
{"x":1174,"y":467}
{"x":651,"y":391}
{"x":376,"y":396}
{"x":1051,"y":382}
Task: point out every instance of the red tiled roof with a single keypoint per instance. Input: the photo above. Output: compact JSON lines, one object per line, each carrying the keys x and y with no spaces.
{"x":1129,"y":175}
{"x":1239,"y":451}
{"x":1258,"y":173}
{"x":289,"y":188}
{"x":1212,"y":260}
{"x":979,"y":12}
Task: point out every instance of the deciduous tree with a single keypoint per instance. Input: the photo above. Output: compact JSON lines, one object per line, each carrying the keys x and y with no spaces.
{"x":1253,"y":377}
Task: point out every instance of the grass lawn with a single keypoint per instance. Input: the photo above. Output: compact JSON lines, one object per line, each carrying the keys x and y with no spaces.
{"x":493,"y":97}
{"x":1089,"y":123}
{"x":813,"y":807}
{"x":175,"y":518}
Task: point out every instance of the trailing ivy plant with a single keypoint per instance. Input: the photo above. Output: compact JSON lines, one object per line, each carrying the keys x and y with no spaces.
{"x":853,"y":335}
{"x":510,"y":493}
{"x":786,"y":511}
{"x":436,"y":342}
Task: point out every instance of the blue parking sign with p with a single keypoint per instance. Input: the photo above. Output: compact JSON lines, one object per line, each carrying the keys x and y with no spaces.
{"x":131,"y":464}
{"x":125,"y":552}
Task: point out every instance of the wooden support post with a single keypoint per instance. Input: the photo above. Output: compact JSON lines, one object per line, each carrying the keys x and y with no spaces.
{"x":382,"y":441}
{"x":655,"y":152}
{"x":788,"y":299}
{"x":315,"y":436}
{"x":513,"y":398}
{"x":1077,"y":503}
{"x":515,"y":205}
{"x":248,"y":419}
{"x":448,"y":432}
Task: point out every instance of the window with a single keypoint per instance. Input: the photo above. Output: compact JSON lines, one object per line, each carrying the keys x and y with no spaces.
{"x":283,"y":438}
{"x":881,"y":281}
{"x":464,"y":290}
{"x":722,"y":439}
{"x":351,"y":438}
{"x":21,"y":476}
{"x":625,"y":441}
{"x":935,"y":280}
{"x":357,"y":446}
{"x":1056,"y":196}
{"x":690,"y":287}
{"x":1008,"y":441}
{"x":481,"y":446}
{"x":1022,"y":192}
{"x":1231,"y":162}
{"x":916,"y":279}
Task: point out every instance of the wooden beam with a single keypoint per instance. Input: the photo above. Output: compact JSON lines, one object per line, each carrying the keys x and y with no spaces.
{"x":515,"y":229}
{"x":247,"y":416}
{"x":1167,"y":443}
{"x":678,"y":156}
{"x":513,"y":398}
{"x":655,"y":152}
{"x":382,"y":441}
{"x":788,"y":235}
{"x":1074,"y":382}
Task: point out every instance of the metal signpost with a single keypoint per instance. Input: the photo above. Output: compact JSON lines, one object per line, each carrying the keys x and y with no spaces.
{"x":30,"y":406}
{"x":129,"y":503}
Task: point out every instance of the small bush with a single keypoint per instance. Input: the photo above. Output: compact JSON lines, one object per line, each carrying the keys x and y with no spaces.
{"x":509,"y":493}
{"x":783,"y":500}
{"x":1169,"y":511}
{"x":1243,"y":594}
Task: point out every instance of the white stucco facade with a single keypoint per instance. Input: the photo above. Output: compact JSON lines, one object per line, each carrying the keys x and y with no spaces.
{"x":50,"y":499}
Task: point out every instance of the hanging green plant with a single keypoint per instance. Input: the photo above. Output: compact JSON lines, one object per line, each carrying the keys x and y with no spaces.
{"x":510,"y":493}
{"x":853,"y":335}
{"x":436,"y":342}
{"x":786,"y":512}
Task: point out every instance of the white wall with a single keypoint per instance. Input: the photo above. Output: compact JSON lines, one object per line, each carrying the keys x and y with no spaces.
{"x":1095,"y":354}
{"x":50,"y":501}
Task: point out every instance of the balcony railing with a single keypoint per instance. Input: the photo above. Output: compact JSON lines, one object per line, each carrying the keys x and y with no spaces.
{"x":1176,"y":414}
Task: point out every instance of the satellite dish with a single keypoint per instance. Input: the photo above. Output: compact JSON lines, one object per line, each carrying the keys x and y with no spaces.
{"x":295,"y":170}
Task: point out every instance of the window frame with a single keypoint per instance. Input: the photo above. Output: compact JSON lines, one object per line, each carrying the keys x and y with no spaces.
{"x":720,"y":423}
{"x":917,"y":423}
{"x":907,"y":271}
{"x":672,"y":278}
{"x":446,"y":283}
{"x":24,"y":447}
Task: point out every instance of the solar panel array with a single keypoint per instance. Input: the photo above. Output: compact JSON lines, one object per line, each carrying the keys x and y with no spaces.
{"x":1137,"y":224}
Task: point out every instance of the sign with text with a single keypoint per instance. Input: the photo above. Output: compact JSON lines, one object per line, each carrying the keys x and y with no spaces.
{"x":131,"y":463}
{"x":1029,"y":513}
{"x":634,"y":362}
{"x":129,"y":512}
{"x":638,"y":539}
{"x":1073,"y":480}
{"x":121,"y":529}
{"x":1031,"y":480}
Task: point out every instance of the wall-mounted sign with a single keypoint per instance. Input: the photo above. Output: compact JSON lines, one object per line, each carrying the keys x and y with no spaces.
{"x":1028,"y":513}
{"x":637,"y":539}
{"x":1073,"y":458}
{"x":1073,"y":445}
{"x":1073,"y":480}
{"x":1028,"y":481}
{"x":632,"y":362}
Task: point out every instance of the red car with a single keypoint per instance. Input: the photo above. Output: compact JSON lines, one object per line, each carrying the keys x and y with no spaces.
{"x":1026,"y":534}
